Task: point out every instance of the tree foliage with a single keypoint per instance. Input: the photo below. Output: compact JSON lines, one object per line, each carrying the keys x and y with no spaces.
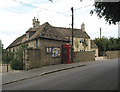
{"x":109,"y":10}
{"x":6,"y":55}
{"x":105,"y":44}
{"x":17,"y":62}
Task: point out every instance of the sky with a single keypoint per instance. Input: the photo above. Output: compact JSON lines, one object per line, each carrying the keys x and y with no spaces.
{"x":16,"y":17}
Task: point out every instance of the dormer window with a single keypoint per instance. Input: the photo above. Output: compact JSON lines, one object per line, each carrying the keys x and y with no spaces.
{"x":27,"y":35}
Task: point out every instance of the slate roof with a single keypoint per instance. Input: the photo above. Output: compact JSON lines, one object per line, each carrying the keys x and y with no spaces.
{"x":47,"y":31}
{"x":32,"y":29}
{"x":67,"y":32}
{"x":93,"y":45}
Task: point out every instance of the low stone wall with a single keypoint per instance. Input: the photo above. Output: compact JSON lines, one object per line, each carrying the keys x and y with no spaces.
{"x":34,"y":58}
{"x":113,"y":54}
{"x":84,"y":56}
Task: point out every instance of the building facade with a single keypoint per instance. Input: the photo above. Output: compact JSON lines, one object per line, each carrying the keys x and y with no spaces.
{"x":48,"y":40}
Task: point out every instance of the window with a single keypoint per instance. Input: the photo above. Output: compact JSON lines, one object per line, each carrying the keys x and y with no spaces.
{"x":47,"y":50}
{"x":81,"y":40}
{"x":27,"y":36}
{"x":13,"y":50}
{"x":70,"y":39}
{"x":50,"y":50}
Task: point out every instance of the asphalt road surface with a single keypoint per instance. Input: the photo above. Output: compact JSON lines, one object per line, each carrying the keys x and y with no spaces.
{"x":102,"y":76}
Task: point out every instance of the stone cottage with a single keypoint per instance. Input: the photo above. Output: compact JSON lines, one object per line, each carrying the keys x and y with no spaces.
{"x":45,"y":41}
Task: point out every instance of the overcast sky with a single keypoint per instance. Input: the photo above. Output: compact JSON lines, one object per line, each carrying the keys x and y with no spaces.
{"x":16,"y":17}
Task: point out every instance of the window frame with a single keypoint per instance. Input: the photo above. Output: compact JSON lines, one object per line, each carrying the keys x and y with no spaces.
{"x":81,"y":40}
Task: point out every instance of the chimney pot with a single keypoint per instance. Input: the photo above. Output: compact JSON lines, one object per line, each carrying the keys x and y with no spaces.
{"x":35,"y":23}
{"x":83,"y":27}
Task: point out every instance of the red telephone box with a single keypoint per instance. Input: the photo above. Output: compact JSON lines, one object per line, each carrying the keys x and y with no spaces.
{"x":66,"y":53}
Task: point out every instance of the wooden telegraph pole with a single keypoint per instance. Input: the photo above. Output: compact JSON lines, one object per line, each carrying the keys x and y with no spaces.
{"x":100,"y":32}
{"x":72,"y":37}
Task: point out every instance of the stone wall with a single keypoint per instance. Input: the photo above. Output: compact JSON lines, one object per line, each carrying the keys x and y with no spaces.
{"x":96,"y":51}
{"x":84,"y":56}
{"x":113,"y":54}
{"x":34,"y":58}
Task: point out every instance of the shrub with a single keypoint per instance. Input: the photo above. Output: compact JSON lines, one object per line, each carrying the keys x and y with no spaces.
{"x":4,"y":62}
{"x":16,"y":64}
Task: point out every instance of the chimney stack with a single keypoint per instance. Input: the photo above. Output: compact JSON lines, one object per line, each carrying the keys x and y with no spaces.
{"x":83,"y":27}
{"x":35,"y":23}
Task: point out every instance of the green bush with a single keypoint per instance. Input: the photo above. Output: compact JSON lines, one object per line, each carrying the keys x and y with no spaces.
{"x":4,"y":62}
{"x":16,"y":64}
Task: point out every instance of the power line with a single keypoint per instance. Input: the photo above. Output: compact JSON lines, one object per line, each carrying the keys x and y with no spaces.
{"x":25,"y":3}
{"x":41,"y":8}
{"x":66,"y":14}
{"x":51,"y":10}
{"x":83,"y":7}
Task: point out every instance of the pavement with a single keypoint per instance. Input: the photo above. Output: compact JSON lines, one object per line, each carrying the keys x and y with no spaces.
{"x":15,"y":76}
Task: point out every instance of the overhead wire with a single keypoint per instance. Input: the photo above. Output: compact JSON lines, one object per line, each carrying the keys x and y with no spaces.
{"x":83,"y":7}
{"x":51,"y":10}
{"x":42,"y":8}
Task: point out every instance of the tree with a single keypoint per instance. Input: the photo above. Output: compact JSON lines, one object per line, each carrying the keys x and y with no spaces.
{"x":17,"y":62}
{"x":105,"y":44}
{"x":109,"y":10}
{"x":5,"y":55}
{"x":0,"y":51}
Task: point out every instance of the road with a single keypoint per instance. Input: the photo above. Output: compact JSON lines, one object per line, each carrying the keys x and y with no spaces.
{"x":102,"y":76}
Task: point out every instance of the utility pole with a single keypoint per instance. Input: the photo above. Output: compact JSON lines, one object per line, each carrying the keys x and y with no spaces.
{"x":100,"y":32}
{"x":72,"y":37}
